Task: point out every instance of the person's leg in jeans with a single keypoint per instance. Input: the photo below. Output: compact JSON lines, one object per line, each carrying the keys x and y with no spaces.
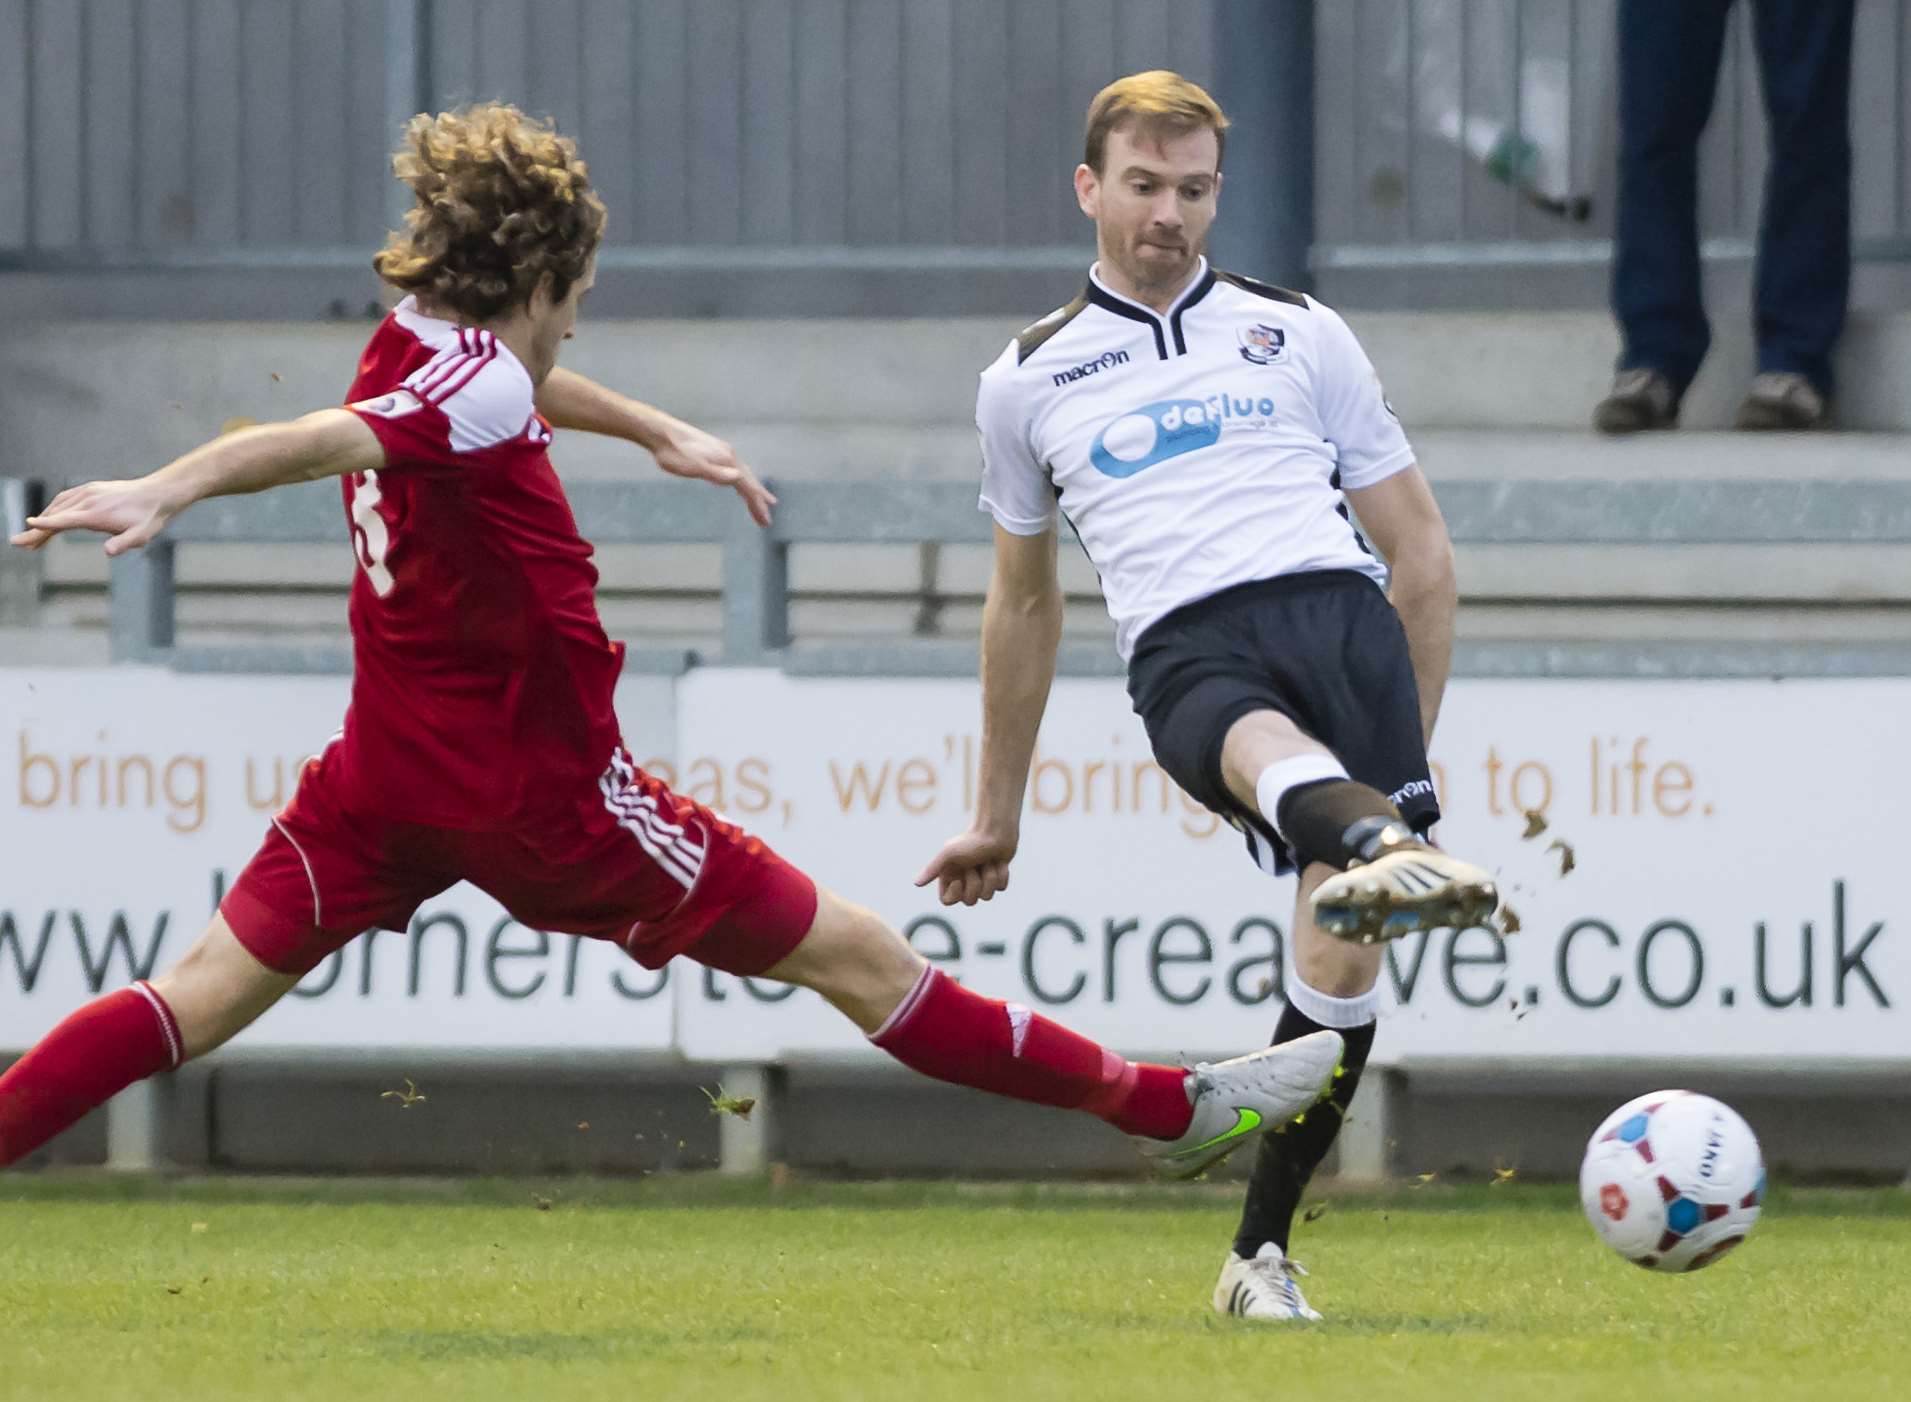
{"x":1668,"y":69}
{"x":1804,"y":238}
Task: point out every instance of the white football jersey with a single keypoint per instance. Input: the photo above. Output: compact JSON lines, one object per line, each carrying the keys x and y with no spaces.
{"x":1190,"y":452}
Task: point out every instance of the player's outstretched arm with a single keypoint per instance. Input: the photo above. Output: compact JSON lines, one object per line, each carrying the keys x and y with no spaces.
{"x":131,"y":512}
{"x":1021,"y":631}
{"x":570,"y":400}
{"x":1404,"y":522}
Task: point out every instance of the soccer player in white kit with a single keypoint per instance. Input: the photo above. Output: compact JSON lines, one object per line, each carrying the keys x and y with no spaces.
{"x":1204,"y":435}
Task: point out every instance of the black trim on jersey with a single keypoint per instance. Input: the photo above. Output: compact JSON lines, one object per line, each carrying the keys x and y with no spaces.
{"x":1201,"y":289}
{"x":1108,"y":302}
{"x":1032,"y":338}
{"x":1264,"y":289}
{"x":1345,"y":514}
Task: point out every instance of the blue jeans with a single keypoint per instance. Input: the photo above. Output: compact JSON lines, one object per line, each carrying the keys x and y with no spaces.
{"x":1669,"y":52}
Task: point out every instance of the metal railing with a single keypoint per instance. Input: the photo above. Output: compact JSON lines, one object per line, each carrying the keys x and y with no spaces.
{"x":756,"y":594}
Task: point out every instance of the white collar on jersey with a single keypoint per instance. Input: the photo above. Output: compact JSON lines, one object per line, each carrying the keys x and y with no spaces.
{"x":1166,"y":328}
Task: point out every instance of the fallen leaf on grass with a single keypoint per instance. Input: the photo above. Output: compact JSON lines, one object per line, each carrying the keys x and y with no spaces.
{"x":202,"y":1226}
{"x":721,"y":1104}
{"x":407,"y":1097}
{"x":1567,"y":861}
{"x":175,"y":1289}
{"x":1315,"y":1213}
{"x":1535,"y":824}
{"x":540,"y":1202}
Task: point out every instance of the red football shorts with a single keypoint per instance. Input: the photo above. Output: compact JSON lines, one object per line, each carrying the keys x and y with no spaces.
{"x":632,"y":863}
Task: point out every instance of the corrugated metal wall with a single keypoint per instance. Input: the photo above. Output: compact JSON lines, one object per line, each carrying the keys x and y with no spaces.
{"x":263,"y":125}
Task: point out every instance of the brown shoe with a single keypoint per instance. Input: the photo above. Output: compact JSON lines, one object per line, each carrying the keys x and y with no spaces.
{"x":1783,"y":401}
{"x":1640,"y":400}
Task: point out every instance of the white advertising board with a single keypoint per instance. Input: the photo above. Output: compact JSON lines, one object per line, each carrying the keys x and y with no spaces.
{"x":1732,"y":892}
{"x":133,"y":795}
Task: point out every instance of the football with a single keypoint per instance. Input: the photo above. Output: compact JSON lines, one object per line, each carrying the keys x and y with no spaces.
{"x":1673,"y":1180}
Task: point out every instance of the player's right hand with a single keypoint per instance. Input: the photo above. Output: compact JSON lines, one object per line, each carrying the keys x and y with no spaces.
{"x":970,"y":868}
{"x":129,"y":513}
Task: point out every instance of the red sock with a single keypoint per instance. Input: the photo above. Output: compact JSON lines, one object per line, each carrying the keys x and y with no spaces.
{"x":943,"y":1030}
{"x":83,"y":1063}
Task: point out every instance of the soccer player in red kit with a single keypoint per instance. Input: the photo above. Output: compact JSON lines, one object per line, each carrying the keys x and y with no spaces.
{"x":481,"y":743}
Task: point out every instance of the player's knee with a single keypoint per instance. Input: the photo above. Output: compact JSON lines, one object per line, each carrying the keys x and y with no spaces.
{"x":217,"y":989}
{"x":854,"y":958}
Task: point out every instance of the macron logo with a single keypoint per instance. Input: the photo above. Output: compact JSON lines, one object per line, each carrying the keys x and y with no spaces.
{"x":1105,"y":361}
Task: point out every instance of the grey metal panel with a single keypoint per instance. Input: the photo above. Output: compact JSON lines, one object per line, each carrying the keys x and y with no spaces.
{"x":660,"y":137}
{"x":554,"y":40}
{"x":929,"y":132}
{"x":110,"y":90}
{"x":1593,"y":107}
{"x":714,"y":58}
{"x":1191,"y":43}
{"x":216,"y":184}
{"x":1380,"y":150}
{"x":454,"y":55}
{"x":982,"y":145}
{"x":873,"y":125}
{"x":372,"y":118}
{"x":1337,"y":114}
{"x":269,"y":123}
{"x":768,"y":102}
{"x":607,"y":121}
{"x":1040,"y":133}
{"x":1729,"y":165}
{"x":1141,"y":36}
{"x":320,"y":95}
{"x":15,"y":63}
{"x":504,"y":35}
{"x":1874,"y":75}
{"x":57,"y":121}
{"x":822,"y":43}
{"x":161,"y":146}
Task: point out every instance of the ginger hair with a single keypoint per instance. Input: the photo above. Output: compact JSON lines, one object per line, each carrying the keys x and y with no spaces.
{"x":503,"y":200}
{"x":1162,"y":103}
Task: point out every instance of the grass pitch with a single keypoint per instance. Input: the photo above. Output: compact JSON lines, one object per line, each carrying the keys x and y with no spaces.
{"x":698,"y":1289}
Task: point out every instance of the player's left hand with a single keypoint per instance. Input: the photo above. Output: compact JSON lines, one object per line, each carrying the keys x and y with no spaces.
{"x":687,"y":451}
{"x":129,"y":513}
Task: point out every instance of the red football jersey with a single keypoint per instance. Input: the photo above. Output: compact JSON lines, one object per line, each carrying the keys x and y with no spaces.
{"x":482,"y":686}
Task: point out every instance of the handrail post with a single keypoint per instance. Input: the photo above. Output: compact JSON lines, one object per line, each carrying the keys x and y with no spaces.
{"x":756,"y":593}
{"x":142,"y":602}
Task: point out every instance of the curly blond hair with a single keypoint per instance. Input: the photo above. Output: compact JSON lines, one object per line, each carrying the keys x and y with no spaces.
{"x":502,"y":201}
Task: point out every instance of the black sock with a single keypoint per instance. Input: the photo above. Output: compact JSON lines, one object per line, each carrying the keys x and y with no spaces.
{"x":1288,"y":1157}
{"x":1333,"y":821}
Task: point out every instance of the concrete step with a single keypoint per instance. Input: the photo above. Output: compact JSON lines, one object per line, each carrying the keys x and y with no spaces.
{"x":1537,"y":370}
{"x":847,"y":398}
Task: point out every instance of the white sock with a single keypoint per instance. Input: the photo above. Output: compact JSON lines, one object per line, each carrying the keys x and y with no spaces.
{"x":1285,"y":774}
{"x":1341,"y":1014}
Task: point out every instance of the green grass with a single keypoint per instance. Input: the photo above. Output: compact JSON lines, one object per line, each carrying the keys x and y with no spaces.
{"x":694,"y":1289}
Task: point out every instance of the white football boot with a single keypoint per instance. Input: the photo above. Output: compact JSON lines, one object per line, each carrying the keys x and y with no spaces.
{"x":1237,"y":1099}
{"x":1263,"y":1287}
{"x":1402,"y":887}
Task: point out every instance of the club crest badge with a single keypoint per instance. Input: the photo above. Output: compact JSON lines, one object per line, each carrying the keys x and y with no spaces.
{"x":1262,"y":344}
